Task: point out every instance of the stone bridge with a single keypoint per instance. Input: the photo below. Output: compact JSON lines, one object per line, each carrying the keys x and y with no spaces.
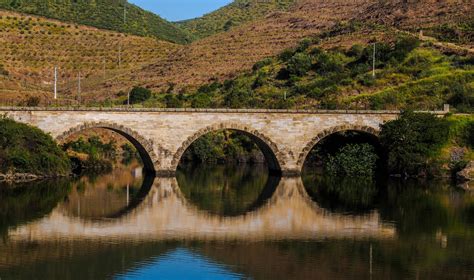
{"x":163,"y":135}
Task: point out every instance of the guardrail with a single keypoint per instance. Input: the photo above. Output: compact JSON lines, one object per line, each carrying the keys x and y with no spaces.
{"x":220,"y":110}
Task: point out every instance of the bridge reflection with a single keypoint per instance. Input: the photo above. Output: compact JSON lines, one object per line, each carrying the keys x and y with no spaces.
{"x":165,"y":214}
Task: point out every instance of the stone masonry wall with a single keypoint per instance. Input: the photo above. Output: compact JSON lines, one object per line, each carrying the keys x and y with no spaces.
{"x":164,"y":135}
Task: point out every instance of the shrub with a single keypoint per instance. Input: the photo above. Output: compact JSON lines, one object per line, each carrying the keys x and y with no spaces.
{"x":27,"y":149}
{"x":139,"y":94}
{"x":354,"y":160}
{"x":299,"y":64}
{"x":411,"y":139}
{"x":262,"y":63}
{"x":470,"y":134}
{"x":33,"y":101}
{"x":172,"y":101}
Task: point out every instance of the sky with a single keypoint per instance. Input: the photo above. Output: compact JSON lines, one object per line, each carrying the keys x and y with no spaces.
{"x":174,"y":10}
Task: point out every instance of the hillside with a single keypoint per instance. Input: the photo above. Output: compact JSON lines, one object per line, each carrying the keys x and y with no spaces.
{"x":234,"y":14}
{"x":31,"y":47}
{"x":105,"y":14}
{"x":408,"y":74}
{"x":227,"y":55}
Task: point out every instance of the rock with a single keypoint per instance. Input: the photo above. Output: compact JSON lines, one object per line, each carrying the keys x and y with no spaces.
{"x":467,"y":174}
{"x":467,"y":186}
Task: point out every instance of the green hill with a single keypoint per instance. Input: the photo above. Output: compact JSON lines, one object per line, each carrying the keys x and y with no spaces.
{"x":105,"y":14}
{"x":409,"y":73}
{"x":234,"y":14}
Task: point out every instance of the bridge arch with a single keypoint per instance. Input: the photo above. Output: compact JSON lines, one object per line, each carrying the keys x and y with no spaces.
{"x":274,"y":158}
{"x":323,"y":134}
{"x":144,"y":147}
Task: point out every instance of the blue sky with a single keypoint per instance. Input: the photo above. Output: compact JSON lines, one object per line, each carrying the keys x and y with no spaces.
{"x":174,"y":10}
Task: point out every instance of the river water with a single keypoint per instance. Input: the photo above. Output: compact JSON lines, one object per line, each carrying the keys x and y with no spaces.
{"x":235,"y":222}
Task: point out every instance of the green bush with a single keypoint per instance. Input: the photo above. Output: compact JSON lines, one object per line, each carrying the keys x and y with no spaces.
{"x":299,"y":64}
{"x":411,"y":140}
{"x":470,"y":134}
{"x":27,"y":149}
{"x":173,"y":101}
{"x":93,"y":147}
{"x":354,"y":160}
{"x":139,"y":94}
{"x":222,"y":146}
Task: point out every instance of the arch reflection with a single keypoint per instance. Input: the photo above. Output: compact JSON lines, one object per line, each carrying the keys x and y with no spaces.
{"x":226,"y":190}
{"x":107,"y":195}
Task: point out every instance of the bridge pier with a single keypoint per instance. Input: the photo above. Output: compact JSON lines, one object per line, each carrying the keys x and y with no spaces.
{"x":289,"y":172}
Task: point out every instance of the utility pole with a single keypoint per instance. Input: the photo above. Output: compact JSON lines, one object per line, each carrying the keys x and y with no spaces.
{"x":55,"y":82}
{"x":128,"y":98}
{"x":79,"y":88}
{"x":373,"y":63}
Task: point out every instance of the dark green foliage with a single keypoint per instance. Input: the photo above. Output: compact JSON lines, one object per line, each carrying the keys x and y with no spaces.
{"x":262,"y":63}
{"x":226,"y":190}
{"x":299,"y":64}
{"x":106,"y":14}
{"x":411,"y":139}
{"x":100,"y":155}
{"x":353,"y":160}
{"x":32,"y":101}
{"x":222,"y":146}
{"x":173,"y":101}
{"x":29,"y":201}
{"x":470,"y":134}
{"x":462,"y":97}
{"x":342,"y":194}
{"x":139,"y":94}
{"x":129,"y":153}
{"x":460,"y":33}
{"x":27,"y":149}
{"x":93,"y":147}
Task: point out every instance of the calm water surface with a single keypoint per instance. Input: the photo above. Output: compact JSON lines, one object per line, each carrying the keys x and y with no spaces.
{"x":235,"y":222}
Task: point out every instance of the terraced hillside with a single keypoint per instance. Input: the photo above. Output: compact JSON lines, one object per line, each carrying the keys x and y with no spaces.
{"x":105,"y":14}
{"x":225,"y":55}
{"x":31,"y":47}
{"x":228,"y":54}
{"x":234,"y":14}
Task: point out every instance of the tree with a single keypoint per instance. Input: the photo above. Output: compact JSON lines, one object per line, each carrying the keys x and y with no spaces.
{"x":139,"y":94}
{"x":411,"y":139}
{"x":299,"y":64}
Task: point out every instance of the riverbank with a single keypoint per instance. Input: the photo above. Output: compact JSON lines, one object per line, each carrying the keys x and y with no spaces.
{"x":14,"y":178}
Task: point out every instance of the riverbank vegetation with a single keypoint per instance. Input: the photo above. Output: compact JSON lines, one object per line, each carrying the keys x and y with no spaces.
{"x":223,"y":146}
{"x":95,"y":153}
{"x":26,"y":149}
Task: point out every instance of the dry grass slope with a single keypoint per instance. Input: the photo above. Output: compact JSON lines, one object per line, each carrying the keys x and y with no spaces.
{"x":31,"y":46}
{"x":164,"y":67}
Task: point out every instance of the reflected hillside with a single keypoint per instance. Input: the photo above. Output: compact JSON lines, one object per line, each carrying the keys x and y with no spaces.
{"x":98,"y":196}
{"x":225,"y":190}
{"x":24,"y":203}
